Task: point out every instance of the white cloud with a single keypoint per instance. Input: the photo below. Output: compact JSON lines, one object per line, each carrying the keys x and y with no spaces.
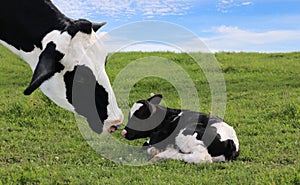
{"x":228,"y":38}
{"x":163,"y":36}
{"x":123,"y":9}
{"x":115,"y":43}
{"x":225,"y":6}
{"x":226,"y":1}
{"x":124,"y":43}
{"x":225,"y":38}
{"x":247,"y":3}
{"x":150,"y":47}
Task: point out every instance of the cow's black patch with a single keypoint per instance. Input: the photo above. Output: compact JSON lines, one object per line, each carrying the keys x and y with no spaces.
{"x":25,"y":23}
{"x":47,"y":66}
{"x":80,"y":25}
{"x":88,"y":97}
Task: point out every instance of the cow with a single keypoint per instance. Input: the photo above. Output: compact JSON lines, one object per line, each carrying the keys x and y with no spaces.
{"x":190,"y":136}
{"x":66,"y":57}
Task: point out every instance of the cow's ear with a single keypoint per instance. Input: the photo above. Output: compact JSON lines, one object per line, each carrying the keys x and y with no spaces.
{"x":47,"y":66}
{"x":155,"y":99}
{"x":97,"y":26}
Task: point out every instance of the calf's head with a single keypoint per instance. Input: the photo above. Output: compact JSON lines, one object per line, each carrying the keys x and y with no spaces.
{"x":144,"y":117}
{"x":71,"y":71}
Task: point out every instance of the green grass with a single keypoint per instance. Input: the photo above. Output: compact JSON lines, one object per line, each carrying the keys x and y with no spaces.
{"x":40,"y":143}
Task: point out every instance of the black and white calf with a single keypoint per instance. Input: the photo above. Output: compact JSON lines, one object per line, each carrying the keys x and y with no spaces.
{"x":197,"y":137}
{"x":67,"y":58}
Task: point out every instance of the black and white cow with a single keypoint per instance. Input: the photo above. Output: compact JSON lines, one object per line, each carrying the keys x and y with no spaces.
{"x":197,"y":137}
{"x":67,"y":59}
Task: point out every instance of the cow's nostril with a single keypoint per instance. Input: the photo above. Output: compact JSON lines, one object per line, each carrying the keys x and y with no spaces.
{"x":124,"y":132}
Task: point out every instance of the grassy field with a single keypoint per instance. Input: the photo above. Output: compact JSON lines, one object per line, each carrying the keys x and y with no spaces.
{"x":40,"y":143}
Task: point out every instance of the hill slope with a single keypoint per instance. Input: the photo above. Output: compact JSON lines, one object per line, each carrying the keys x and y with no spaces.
{"x":40,"y":142}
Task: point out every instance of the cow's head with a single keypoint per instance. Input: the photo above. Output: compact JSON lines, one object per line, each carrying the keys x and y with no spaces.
{"x":144,"y":118}
{"x":71,"y":72}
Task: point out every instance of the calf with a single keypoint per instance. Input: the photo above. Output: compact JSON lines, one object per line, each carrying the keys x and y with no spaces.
{"x":197,"y":137}
{"x":66,"y":57}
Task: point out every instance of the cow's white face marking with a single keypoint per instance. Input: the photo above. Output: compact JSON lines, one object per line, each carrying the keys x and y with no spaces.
{"x":226,"y":132}
{"x":134,"y":108}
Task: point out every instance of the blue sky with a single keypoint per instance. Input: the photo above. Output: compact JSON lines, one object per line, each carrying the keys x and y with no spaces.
{"x":223,"y":25}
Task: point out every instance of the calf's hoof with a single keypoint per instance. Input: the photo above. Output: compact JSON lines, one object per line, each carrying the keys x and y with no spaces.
{"x":154,"y":151}
{"x":156,"y":159}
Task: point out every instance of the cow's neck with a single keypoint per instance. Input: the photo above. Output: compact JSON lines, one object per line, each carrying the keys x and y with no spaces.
{"x":23,"y":31}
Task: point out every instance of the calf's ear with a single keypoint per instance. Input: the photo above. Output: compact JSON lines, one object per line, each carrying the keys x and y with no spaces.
{"x":47,"y":66}
{"x":155,"y":99}
{"x":144,"y":111}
